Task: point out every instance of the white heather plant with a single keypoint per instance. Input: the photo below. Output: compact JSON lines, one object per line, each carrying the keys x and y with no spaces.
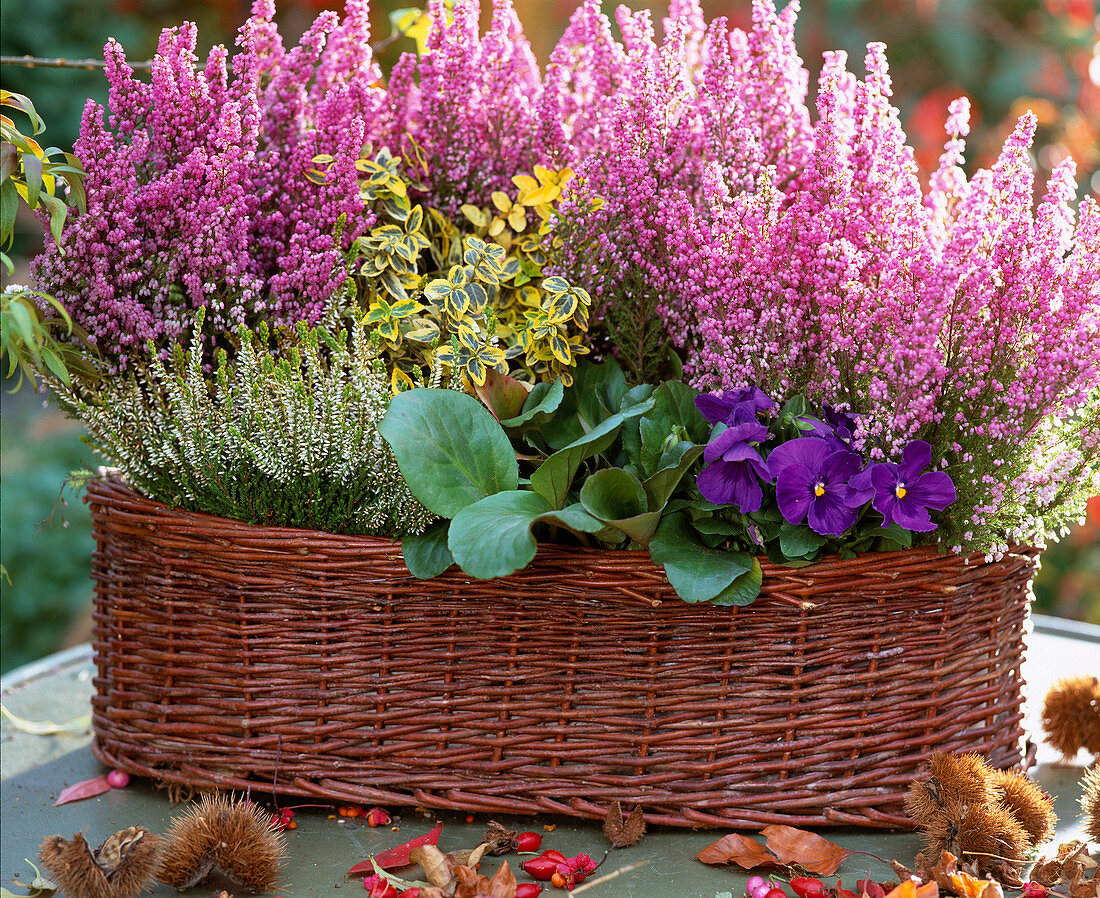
{"x":281,"y":433}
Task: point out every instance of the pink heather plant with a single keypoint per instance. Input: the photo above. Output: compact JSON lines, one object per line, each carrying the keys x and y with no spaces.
{"x":197,"y":194}
{"x":964,"y":317}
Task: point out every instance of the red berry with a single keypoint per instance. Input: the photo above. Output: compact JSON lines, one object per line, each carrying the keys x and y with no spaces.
{"x":378,"y":817}
{"x":556,"y":856}
{"x":776,"y":893}
{"x":541,"y":868}
{"x":528,"y":841}
{"x":118,"y":779}
{"x":410,"y":893}
{"x":557,"y":880}
{"x":528,"y":890}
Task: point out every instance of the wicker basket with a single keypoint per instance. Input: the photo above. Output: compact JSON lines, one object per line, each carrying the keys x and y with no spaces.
{"x":236,"y":656}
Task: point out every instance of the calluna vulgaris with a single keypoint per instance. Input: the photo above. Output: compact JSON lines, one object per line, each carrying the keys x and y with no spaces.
{"x":711,"y":209}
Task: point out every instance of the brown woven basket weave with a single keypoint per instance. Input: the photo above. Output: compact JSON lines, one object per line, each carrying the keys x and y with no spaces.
{"x":235,"y":656}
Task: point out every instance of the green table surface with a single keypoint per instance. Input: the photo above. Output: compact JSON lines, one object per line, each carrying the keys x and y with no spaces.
{"x":35,"y":769}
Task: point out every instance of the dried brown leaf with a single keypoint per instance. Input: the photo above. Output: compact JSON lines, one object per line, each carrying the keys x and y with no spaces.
{"x":503,"y":884}
{"x":737,"y":849}
{"x":437,"y":869}
{"x":808,"y":850}
{"x":909,"y":888}
{"x":624,"y":833}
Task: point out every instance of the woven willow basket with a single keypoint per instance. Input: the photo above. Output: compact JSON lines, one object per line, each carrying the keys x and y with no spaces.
{"x":236,"y":656}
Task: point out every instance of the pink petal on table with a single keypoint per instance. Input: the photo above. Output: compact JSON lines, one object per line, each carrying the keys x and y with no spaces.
{"x":87,"y":789}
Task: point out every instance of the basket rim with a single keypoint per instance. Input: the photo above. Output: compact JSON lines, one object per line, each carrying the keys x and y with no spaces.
{"x":109,"y":484}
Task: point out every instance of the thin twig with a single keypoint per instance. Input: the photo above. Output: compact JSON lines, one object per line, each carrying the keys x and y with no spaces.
{"x":34,"y":62}
{"x":601,"y":879}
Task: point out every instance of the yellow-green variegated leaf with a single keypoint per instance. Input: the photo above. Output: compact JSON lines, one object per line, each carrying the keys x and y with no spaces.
{"x":475,"y":371}
{"x":554,"y":285}
{"x":559,"y":346}
{"x":479,"y":218}
{"x":501,"y":201}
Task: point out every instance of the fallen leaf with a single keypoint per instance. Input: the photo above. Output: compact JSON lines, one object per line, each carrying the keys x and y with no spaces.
{"x":951,"y":879}
{"x":397,"y":857}
{"x":738,"y":849}
{"x":809,"y":851}
{"x":74,"y":727}
{"x":623,"y":833}
{"x":438,"y":867}
{"x":503,"y":884}
{"x":86,"y":789}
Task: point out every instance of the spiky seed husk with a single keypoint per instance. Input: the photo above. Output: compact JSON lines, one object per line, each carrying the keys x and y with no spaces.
{"x":1071,"y":715}
{"x":1090,"y":802}
{"x":124,"y":866}
{"x":960,"y":779}
{"x":990,"y":833}
{"x":1030,"y":805}
{"x":922,"y":802}
{"x":236,"y":837}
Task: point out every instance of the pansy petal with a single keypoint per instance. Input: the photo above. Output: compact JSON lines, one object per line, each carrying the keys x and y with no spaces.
{"x":830,"y":516}
{"x":884,"y":502}
{"x":718,"y":446}
{"x":885,"y":477}
{"x":860,"y":484}
{"x":794,"y":492}
{"x":714,"y":408}
{"x":840,"y":466}
{"x":933,"y":490}
{"x":724,"y":483}
{"x":916,"y":456}
{"x":743,"y":452}
{"x":809,"y":452}
{"x":911,"y":515}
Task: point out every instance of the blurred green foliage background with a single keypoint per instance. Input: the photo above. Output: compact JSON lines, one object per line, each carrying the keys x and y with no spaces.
{"x":1005,"y":55}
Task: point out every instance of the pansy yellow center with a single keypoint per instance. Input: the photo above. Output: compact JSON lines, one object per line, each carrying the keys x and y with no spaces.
{"x":819,"y":489}
{"x":899,"y":491}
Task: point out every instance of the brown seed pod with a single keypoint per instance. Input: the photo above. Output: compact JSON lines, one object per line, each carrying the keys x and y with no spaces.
{"x":1090,"y":801}
{"x":960,"y":779}
{"x":1071,"y":715}
{"x":991,"y":833}
{"x":124,"y":866}
{"x":1030,"y":805}
{"x":237,"y":838}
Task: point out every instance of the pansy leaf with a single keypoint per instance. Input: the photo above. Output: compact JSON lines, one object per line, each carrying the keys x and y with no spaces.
{"x":426,"y":554}
{"x":799,"y":541}
{"x":492,"y":537}
{"x":745,"y":588}
{"x":617,"y":498}
{"x":673,"y":466}
{"x":697,"y":573}
{"x":450,"y":449}
{"x":673,"y":411}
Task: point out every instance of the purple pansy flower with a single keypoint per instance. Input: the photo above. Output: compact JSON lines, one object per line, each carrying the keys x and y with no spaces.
{"x":811,"y":483}
{"x":901,"y":493}
{"x":835,"y":427}
{"x":735,"y":468}
{"x":722,"y":409}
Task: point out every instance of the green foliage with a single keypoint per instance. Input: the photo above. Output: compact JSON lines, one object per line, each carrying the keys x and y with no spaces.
{"x":283,"y":433}
{"x":33,"y":174}
{"x":450,"y":449}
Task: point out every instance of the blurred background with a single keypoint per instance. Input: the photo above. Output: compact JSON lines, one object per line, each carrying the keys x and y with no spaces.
{"x":1007,"y":56}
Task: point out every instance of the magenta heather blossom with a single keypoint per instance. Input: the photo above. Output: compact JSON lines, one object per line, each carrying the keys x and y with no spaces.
{"x":197,"y":192}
